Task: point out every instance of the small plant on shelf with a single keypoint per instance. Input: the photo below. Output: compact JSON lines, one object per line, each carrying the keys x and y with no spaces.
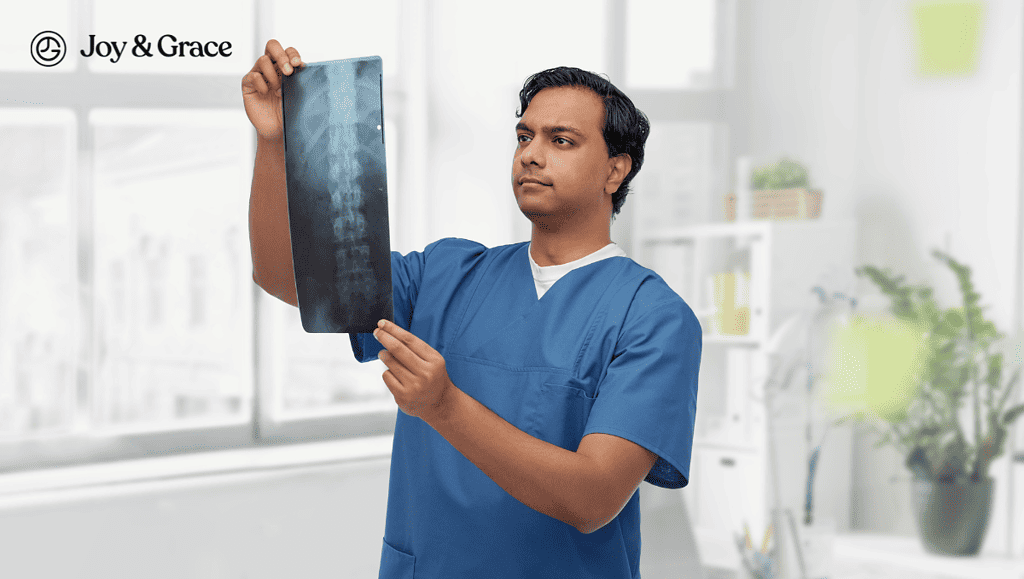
{"x":778,"y":191}
{"x":785,"y":174}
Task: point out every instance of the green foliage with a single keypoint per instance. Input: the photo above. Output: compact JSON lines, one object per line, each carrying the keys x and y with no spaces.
{"x":960,"y":369}
{"x":782,"y":175}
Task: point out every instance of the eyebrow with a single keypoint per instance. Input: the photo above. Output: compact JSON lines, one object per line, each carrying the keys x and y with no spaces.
{"x":552,"y":130}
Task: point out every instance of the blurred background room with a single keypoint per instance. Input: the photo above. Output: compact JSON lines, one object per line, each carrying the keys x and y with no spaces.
{"x":160,"y":416}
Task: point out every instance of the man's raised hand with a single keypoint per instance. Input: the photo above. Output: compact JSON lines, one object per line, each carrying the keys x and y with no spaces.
{"x":261,"y":88}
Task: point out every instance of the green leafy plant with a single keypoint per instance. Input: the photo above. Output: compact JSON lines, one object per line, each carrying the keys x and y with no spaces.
{"x":957,"y":366}
{"x":782,"y":175}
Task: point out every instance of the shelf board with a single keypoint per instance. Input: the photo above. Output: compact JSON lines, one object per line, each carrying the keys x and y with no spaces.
{"x":704,"y":230}
{"x":731,"y":340}
{"x":859,"y":552}
{"x":716,"y":444}
{"x":757,"y":228}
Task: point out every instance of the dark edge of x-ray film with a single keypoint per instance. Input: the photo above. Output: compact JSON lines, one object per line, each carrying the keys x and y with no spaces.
{"x":337,"y":194}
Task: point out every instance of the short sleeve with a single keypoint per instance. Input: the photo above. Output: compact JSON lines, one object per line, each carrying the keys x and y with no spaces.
{"x":406,"y":274}
{"x":649,"y":393}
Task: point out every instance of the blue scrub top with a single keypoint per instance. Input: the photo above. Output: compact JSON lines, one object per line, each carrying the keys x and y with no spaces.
{"x":609,"y":348}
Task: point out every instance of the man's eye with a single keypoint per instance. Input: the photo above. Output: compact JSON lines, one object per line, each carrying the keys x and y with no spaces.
{"x":563,"y":141}
{"x":523,"y":138}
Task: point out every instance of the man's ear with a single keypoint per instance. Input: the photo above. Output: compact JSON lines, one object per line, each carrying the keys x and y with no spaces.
{"x":620,"y":167}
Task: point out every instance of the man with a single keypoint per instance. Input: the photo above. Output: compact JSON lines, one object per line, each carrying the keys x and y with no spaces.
{"x":531,"y":410}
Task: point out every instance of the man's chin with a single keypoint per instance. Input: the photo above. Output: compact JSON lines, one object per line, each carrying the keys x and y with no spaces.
{"x":534,"y":215}
{"x":543,"y":220}
{"x":531,"y":207}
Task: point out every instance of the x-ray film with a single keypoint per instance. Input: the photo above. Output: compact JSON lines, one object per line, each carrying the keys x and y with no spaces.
{"x":337,"y":194}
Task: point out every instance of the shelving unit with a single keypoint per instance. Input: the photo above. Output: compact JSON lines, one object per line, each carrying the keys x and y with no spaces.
{"x":871,"y":555}
{"x":729,"y":474}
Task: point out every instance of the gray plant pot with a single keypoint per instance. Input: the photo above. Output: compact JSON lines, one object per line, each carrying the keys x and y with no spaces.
{"x":952,"y":517}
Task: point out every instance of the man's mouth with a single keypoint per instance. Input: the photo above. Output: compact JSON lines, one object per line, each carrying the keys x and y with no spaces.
{"x":533,"y":180}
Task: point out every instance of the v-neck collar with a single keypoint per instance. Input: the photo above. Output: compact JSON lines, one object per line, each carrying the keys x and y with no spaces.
{"x":545,"y":277}
{"x":502,"y":321}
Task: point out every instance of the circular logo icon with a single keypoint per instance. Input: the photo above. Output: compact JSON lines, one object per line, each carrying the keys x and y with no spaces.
{"x":48,"y":48}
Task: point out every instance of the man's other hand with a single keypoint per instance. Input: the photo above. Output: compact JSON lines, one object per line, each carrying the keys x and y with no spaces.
{"x":416,"y":373}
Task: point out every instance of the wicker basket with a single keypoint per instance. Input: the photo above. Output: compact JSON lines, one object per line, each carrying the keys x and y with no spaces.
{"x":775,"y":204}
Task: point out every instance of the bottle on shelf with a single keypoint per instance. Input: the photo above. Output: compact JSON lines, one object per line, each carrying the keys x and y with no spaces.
{"x":729,"y":291}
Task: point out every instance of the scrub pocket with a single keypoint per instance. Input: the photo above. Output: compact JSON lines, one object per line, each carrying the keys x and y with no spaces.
{"x":545,"y":403}
{"x":395,"y":564}
{"x":558,"y":413}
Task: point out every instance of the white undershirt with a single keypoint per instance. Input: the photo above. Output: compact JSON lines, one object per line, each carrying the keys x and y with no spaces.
{"x":545,"y":277}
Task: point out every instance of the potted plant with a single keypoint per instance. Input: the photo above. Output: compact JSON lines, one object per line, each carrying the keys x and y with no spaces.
{"x":778,"y":191}
{"x":781,"y":191}
{"x":933,"y":380}
{"x":785,"y":174}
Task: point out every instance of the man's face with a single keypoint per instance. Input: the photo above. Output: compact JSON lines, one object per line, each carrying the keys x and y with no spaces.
{"x":561,"y":165}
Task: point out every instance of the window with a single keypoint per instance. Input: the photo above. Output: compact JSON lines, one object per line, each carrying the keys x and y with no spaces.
{"x":38,"y":286}
{"x":171,"y":298}
{"x":129,"y":325}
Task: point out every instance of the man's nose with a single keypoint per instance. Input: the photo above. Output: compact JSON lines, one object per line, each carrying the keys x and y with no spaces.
{"x":532,"y":155}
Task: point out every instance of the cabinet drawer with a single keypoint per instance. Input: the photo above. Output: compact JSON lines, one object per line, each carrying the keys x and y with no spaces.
{"x":728,"y":489}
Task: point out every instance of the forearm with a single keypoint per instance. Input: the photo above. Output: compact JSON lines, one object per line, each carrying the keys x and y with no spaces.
{"x":269,"y":237}
{"x":560,"y":483}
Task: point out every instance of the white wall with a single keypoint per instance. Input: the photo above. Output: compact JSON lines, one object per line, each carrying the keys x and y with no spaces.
{"x":325,"y":521}
{"x":320,"y":522}
{"x":921,"y":163}
{"x":939,"y":165}
{"x":805,"y":93}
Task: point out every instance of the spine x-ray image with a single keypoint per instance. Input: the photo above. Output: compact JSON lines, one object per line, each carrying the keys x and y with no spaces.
{"x":337,"y":194}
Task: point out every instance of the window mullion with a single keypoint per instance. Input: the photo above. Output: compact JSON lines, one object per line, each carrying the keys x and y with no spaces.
{"x":82,"y":208}
{"x":82,"y":234}
{"x":261,"y":17}
{"x":615,"y":56}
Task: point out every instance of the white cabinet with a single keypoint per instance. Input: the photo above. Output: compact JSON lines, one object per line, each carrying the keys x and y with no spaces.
{"x":728,"y":483}
{"x":775,"y":266}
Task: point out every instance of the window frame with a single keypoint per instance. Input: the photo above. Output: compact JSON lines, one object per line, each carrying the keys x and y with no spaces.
{"x":81,"y":91}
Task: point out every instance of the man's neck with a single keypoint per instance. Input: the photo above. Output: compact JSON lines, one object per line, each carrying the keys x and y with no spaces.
{"x":547,"y":248}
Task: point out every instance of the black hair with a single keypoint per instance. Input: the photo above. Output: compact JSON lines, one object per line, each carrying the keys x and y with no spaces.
{"x":625,"y":127}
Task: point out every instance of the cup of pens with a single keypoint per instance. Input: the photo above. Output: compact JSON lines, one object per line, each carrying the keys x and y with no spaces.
{"x":760,"y":563}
